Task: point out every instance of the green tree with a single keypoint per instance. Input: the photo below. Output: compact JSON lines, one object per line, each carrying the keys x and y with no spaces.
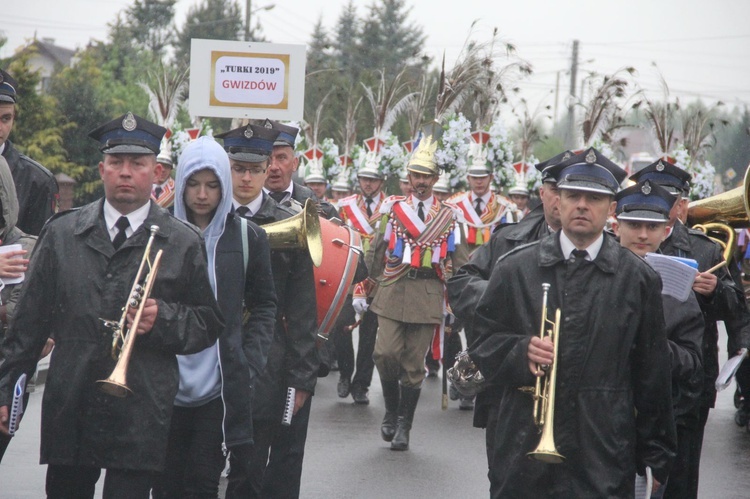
{"x":319,"y":56}
{"x":210,"y":20}
{"x":387,"y":41}
{"x":39,"y":127}
{"x":147,"y":25}
{"x":347,"y":41}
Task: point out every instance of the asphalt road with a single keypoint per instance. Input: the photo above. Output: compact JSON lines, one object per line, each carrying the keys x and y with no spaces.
{"x":345,"y":457}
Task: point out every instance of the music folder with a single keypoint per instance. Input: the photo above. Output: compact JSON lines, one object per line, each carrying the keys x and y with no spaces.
{"x":16,"y":410}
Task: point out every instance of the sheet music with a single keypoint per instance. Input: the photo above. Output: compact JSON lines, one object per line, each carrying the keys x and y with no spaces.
{"x":677,"y":276}
{"x":729,"y":369}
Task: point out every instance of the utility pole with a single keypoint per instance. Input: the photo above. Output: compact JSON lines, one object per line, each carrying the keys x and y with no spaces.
{"x":557,"y":95}
{"x":571,"y":144}
{"x":248,"y":10}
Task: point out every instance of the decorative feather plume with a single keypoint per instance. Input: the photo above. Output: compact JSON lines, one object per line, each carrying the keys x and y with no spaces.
{"x":388,"y":101}
{"x":348,"y":130}
{"x":661,"y":117}
{"x":529,"y":126}
{"x":603,"y":113}
{"x":496,"y":82}
{"x":415,"y":110}
{"x":477,"y":76}
{"x":166,"y":90}
{"x":698,"y":125}
{"x":311,"y":128}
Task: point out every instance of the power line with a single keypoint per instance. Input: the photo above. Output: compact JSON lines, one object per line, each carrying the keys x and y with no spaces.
{"x":673,"y":40}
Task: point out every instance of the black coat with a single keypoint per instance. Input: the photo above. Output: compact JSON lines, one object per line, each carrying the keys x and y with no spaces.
{"x":467,"y":286}
{"x":727,"y":303}
{"x":75,"y":278}
{"x":684,"y":327}
{"x":36,"y":188}
{"x":244,"y":349}
{"x":469,"y":282}
{"x":293,"y":358}
{"x":613,"y":362}
{"x":301,"y":193}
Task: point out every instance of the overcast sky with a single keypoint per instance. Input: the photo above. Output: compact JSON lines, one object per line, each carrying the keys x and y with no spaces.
{"x":701,"y":47}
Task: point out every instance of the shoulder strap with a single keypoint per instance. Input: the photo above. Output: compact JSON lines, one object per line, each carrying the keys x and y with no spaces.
{"x":245,"y":250}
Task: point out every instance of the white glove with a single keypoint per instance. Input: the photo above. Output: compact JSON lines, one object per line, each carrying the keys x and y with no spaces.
{"x":360,"y":305}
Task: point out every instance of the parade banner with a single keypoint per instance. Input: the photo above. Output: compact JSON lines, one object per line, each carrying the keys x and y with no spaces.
{"x":236,"y":79}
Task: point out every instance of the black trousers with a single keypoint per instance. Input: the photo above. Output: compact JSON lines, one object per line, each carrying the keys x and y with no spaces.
{"x":79,"y":482}
{"x":683,"y":477}
{"x":272,"y":466}
{"x":368,"y":331}
{"x":194,"y":456}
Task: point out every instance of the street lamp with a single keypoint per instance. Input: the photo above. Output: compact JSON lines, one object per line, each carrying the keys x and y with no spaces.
{"x":248,"y":11}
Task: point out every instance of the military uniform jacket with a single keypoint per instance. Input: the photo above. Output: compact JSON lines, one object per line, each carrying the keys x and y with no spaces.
{"x":293,"y":358}
{"x":419,"y":301}
{"x":608,"y":371}
{"x":353,"y":212}
{"x":476,"y":229}
{"x":727,"y":302}
{"x":75,"y":278}
{"x":36,"y":189}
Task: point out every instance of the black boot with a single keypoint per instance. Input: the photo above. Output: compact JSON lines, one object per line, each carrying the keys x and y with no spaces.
{"x":409,"y":399}
{"x":391,"y":396}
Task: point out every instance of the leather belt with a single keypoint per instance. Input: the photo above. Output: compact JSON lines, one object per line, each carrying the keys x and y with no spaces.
{"x":421,"y":274}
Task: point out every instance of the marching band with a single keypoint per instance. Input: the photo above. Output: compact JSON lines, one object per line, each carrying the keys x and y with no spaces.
{"x":264,"y":281}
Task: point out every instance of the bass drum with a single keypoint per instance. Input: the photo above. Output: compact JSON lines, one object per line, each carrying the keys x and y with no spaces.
{"x":335,"y":275}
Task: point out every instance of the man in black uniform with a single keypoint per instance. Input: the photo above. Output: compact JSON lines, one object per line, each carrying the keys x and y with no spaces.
{"x":469,"y":283}
{"x":81,"y":272}
{"x":35,"y":186}
{"x":719,"y":297}
{"x":642,"y":216}
{"x":613,"y":411}
{"x":293,"y":360}
{"x":284,"y":162}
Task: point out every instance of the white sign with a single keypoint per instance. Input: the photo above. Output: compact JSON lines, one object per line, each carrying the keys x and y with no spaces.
{"x":230,"y":79}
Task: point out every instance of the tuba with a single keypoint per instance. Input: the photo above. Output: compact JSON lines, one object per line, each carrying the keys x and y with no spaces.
{"x":544,"y":391}
{"x":300,"y":231}
{"x":122,"y":342}
{"x":719,"y":215}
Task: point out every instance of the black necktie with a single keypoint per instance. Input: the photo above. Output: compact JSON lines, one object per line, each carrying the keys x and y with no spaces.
{"x":478,"y":207}
{"x":579,"y":255}
{"x":157,"y":192}
{"x":121,"y":224}
{"x":278,"y":196}
{"x":368,"y":202}
{"x":420,"y":211}
{"x":243,"y":211}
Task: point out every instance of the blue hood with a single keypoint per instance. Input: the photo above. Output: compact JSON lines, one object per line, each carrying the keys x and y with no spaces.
{"x":201,"y":154}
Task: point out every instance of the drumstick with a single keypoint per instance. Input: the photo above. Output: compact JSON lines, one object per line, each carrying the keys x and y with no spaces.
{"x":716,"y":267}
{"x":352,"y":327}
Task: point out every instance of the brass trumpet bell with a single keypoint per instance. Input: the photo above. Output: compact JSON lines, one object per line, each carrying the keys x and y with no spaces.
{"x":298,"y":232}
{"x":730,"y":208}
{"x":719,"y":215}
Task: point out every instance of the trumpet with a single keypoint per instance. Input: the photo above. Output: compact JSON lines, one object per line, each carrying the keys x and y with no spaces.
{"x":123,"y":341}
{"x":544,"y":391}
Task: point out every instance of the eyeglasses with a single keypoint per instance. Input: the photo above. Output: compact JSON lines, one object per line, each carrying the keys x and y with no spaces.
{"x":252,"y":170}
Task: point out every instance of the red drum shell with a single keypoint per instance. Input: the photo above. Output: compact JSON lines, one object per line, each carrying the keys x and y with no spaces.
{"x":334,"y":277}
